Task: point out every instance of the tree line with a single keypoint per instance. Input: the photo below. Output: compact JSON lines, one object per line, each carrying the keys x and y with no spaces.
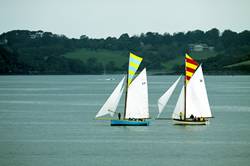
{"x":38,"y":52}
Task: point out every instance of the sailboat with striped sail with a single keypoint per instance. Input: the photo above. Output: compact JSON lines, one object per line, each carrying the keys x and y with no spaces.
{"x":192,"y":107}
{"x":136,"y":110}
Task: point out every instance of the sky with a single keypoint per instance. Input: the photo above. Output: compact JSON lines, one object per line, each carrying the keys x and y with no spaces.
{"x":103,"y":18}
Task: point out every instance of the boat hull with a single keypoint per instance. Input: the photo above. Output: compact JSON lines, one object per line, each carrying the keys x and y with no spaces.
{"x":129,"y":123}
{"x":188,"y":122}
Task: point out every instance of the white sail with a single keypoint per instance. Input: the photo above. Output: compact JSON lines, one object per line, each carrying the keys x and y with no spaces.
{"x":137,"y":97}
{"x":112,"y":102}
{"x":196,"y":96}
{"x":179,"y":107}
{"x":163,"y":100}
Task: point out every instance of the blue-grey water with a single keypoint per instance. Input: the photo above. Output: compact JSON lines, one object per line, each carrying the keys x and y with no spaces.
{"x":49,"y":121}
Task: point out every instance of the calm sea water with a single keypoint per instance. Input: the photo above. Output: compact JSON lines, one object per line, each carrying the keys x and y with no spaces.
{"x":49,"y":121}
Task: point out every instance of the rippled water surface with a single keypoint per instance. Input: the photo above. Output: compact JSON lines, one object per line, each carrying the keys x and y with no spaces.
{"x":49,"y":121}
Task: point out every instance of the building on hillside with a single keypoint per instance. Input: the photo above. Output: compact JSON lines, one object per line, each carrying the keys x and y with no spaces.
{"x":200,"y":47}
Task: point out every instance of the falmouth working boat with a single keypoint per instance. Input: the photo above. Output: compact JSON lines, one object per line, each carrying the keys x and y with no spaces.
{"x":136,"y":111}
{"x":192,"y":107}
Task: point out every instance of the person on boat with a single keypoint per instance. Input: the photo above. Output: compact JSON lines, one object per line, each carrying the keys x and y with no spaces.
{"x":194,"y":118}
{"x":191,"y":116}
{"x":119,"y":115}
{"x":180,"y":115}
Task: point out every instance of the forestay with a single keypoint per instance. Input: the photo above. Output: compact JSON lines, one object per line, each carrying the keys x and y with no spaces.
{"x":163,"y":100}
{"x":112,"y":102}
{"x":137,"y":97}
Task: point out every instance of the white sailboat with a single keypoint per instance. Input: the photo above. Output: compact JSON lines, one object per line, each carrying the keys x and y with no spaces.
{"x":192,"y":106}
{"x":136,"y":98}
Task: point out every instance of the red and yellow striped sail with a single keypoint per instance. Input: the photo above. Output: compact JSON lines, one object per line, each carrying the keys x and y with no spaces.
{"x":191,"y":66}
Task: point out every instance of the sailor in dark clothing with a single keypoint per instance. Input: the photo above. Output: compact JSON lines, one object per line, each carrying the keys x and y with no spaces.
{"x":195,"y":118}
{"x":180,"y":114}
{"x":119,"y":115}
{"x":192,"y":116}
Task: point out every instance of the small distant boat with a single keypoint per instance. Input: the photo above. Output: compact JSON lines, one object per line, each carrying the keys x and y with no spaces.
{"x":136,"y":111}
{"x":192,"y":107}
{"x":109,"y":79}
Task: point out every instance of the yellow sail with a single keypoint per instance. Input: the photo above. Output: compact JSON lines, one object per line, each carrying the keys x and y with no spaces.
{"x":134,"y":63}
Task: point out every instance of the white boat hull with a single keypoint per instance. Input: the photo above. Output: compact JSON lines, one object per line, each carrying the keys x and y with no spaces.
{"x":189,"y":122}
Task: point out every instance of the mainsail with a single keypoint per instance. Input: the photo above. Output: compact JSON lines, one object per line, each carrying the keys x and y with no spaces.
{"x":196,"y":96}
{"x":137,"y":97}
{"x":112,"y":102}
{"x":163,"y":100}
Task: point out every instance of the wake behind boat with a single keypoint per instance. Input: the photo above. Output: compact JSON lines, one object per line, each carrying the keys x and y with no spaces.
{"x":136,"y":110}
{"x":192,"y":107}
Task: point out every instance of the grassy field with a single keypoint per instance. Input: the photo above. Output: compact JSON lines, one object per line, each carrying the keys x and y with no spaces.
{"x":121,"y":57}
{"x":245,"y":63}
{"x":103,"y":56}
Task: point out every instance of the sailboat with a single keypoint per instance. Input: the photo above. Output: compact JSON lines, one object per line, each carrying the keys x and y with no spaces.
{"x":136,"y":111}
{"x":192,"y":107}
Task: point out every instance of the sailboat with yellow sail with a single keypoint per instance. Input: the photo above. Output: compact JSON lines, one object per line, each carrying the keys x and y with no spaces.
{"x":192,"y":107}
{"x":136,"y":109}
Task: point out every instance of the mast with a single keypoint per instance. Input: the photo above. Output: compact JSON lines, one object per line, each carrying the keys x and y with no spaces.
{"x":126,"y":94}
{"x":185,"y":91}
